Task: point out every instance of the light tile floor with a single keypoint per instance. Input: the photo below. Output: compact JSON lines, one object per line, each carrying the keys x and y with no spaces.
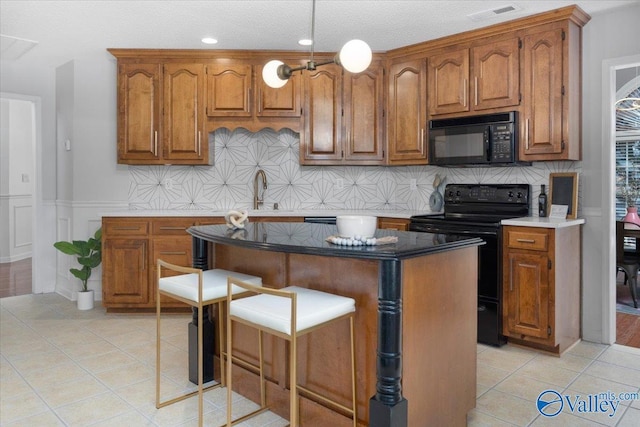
{"x":64,"y":367}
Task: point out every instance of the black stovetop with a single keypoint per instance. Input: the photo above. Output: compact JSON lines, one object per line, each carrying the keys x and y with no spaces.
{"x":481,"y":203}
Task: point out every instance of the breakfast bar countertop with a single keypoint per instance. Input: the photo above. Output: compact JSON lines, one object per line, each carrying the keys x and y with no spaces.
{"x":308,"y":238}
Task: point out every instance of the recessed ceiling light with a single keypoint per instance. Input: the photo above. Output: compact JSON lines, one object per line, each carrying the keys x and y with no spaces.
{"x":209,"y":40}
{"x":305,"y":42}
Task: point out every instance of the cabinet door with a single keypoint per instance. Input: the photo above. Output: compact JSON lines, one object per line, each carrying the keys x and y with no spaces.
{"x":541,"y":124}
{"x":449,"y":82}
{"x":281,"y":102}
{"x":496,"y":69}
{"x":322,"y":115}
{"x":125,"y":273}
{"x":139,"y":101}
{"x":407,"y":116}
{"x":229,"y":90}
{"x":184,"y":133}
{"x":363,"y":108}
{"x":527,"y":295}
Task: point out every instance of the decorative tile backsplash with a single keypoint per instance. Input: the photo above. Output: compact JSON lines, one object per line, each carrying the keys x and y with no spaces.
{"x":239,"y":154}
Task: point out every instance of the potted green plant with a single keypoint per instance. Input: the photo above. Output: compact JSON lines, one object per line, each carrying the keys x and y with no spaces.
{"x":89,"y":255}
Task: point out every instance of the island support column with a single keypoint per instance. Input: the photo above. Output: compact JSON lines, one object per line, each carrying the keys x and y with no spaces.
{"x":201,"y":261}
{"x":388,"y":408}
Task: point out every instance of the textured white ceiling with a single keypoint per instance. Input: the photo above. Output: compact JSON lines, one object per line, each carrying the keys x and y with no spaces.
{"x":65,"y":30}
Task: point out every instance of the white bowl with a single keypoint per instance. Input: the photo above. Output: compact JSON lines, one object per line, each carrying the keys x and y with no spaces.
{"x":356,"y":225}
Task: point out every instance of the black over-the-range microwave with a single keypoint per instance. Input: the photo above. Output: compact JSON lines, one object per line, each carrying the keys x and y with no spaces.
{"x":484,"y":140}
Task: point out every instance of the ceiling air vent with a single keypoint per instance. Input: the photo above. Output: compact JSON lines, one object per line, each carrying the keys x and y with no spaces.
{"x":491,"y":13}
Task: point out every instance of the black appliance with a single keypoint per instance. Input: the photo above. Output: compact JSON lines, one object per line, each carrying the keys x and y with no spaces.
{"x":475,"y":210}
{"x":486,"y":140}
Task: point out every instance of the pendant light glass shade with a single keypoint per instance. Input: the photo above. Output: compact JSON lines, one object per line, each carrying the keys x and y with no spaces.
{"x":270,"y":74}
{"x":355,"y":56}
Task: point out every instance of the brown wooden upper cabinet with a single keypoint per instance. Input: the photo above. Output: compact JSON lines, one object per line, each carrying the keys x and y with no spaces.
{"x":484,"y":76}
{"x":169,"y":99}
{"x":185,"y":137}
{"x":343,"y":116}
{"x":139,"y":113}
{"x":550,"y":124}
{"x":160,"y":114}
{"x":407,"y":112}
{"x":238,"y":90}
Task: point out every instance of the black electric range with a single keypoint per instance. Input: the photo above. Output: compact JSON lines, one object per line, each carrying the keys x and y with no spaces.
{"x":476,"y":210}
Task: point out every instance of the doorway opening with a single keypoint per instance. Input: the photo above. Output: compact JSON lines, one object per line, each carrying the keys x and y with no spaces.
{"x":622,"y":131}
{"x":20,"y":193}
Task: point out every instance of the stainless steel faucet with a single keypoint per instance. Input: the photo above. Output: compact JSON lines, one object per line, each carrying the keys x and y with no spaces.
{"x":257,"y":201}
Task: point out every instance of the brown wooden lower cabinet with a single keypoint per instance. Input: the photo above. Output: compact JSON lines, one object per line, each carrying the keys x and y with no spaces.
{"x":541,"y":286}
{"x":131,"y":248}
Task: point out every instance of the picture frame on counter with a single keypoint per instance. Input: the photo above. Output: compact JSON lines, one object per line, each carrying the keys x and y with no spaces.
{"x":563,"y":190}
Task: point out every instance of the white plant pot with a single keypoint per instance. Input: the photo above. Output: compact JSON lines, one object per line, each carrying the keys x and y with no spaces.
{"x":85,"y":300}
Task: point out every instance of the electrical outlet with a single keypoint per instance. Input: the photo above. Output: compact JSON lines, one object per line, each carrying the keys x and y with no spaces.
{"x":413,"y":184}
{"x":168,"y":184}
{"x":339,"y":184}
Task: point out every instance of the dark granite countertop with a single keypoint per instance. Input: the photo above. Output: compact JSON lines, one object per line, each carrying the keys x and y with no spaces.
{"x":308,"y":238}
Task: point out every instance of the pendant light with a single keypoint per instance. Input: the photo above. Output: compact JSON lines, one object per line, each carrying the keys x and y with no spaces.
{"x":355,"y":57}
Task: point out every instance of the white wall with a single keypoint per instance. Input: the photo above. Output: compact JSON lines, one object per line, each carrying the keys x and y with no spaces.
{"x":16,"y":175}
{"x":609,"y":35}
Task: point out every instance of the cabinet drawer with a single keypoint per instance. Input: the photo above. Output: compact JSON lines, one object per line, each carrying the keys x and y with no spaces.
{"x":171,"y":226}
{"x":530,"y":240}
{"x":125,"y":228}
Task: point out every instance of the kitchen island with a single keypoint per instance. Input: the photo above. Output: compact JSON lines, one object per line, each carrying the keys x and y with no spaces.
{"x":415,"y":320}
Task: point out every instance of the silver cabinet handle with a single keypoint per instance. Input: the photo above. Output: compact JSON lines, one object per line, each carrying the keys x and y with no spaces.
{"x":172,"y":253}
{"x":259,"y":100}
{"x":465,"y":89}
{"x":199,"y":142}
{"x":422,"y":138}
{"x":526,"y":133}
{"x":475,"y":87}
{"x":155,"y":143}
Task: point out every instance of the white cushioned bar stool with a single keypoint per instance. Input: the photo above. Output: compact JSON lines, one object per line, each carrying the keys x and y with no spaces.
{"x":198,"y":289}
{"x":288,"y":313}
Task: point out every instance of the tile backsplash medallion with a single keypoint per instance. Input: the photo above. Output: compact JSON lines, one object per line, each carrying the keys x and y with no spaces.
{"x":239,"y":154}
